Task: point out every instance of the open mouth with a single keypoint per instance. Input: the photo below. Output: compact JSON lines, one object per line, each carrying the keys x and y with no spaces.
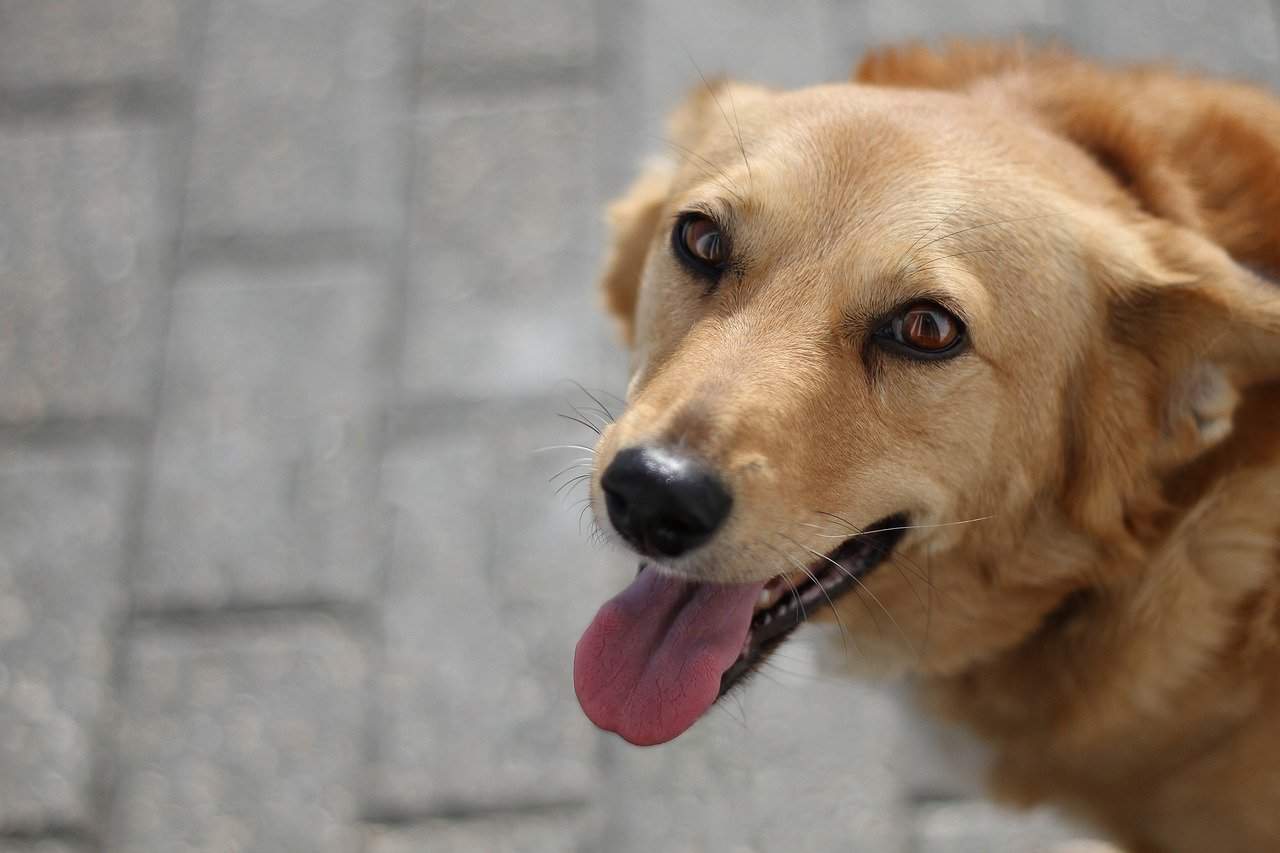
{"x":662,"y":651}
{"x":785,"y":603}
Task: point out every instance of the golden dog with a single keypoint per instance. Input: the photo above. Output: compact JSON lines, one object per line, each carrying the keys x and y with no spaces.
{"x":981,"y":350}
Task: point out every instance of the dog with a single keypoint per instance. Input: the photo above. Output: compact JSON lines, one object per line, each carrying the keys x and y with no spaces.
{"x":977,"y":355}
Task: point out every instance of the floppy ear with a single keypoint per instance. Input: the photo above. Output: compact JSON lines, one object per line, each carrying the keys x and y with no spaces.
{"x":1200,"y":163}
{"x":1189,"y":332}
{"x":633,"y":219}
{"x":1207,"y":330}
{"x":954,"y":64}
{"x":1199,"y":152}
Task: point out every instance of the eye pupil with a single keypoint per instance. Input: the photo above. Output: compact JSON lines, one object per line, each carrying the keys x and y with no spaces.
{"x":926,"y":328}
{"x":701,"y":244}
{"x":707,"y":247}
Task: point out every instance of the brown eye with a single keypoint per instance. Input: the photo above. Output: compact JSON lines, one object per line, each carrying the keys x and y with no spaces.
{"x":700,"y":244}
{"x":924,"y":329}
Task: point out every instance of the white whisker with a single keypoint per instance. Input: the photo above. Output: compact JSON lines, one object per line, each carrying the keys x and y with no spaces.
{"x":853,"y":577}
{"x":551,"y":447}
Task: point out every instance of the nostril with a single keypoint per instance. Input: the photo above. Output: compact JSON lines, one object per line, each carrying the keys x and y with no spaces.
{"x":614,"y":500}
{"x":614,"y":483}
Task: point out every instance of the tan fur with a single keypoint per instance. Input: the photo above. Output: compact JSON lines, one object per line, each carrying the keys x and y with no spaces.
{"x":1111,"y":624}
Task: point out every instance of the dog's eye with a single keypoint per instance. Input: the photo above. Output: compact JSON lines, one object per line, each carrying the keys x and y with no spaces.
{"x":924,"y":330}
{"x":700,"y":244}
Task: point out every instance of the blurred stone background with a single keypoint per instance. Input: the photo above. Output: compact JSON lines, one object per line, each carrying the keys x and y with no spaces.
{"x":289,"y":294}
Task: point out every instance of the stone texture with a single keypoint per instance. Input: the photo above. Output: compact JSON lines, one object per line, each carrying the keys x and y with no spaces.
{"x":296,"y":123}
{"x":81,"y":258}
{"x":1237,"y":38}
{"x":904,"y":20}
{"x":754,"y":41}
{"x":62,"y":534}
{"x":244,"y":730}
{"x":77,"y":42}
{"x":242,"y":737}
{"x":500,"y":42}
{"x":508,"y":241}
{"x":938,"y":760}
{"x":263,"y":482}
{"x":556,"y":832}
{"x":490,"y":585}
{"x":975,"y":826}
{"x":795,"y":761}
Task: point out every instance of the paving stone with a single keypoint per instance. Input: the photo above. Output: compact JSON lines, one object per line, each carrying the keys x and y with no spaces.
{"x":756,"y":41}
{"x":796,"y":760}
{"x":81,"y":259}
{"x":263,"y":481}
{"x":974,"y":826}
{"x":535,"y":833}
{"x":938,"y":760}
{"x":242,"y":737}
{"x":503,"y":42}
{"x":247,"y":733}
{"x":508,"y":221}
{"x":1236,"y":38}
{"x":76,"y":42}
{"x":906,"y":20}
{"x":659,"y":52}
{"x":491,"y":584}
{"x":62,"y":533}
{"x":296,"y":125}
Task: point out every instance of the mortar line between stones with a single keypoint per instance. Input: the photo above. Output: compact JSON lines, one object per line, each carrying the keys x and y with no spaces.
{"x":125,"y":433}
{"x":470,"y":811}
{"x":104,"y":762}
{"x":124,"y":99}
{"x":353,"y":615}
{"x":620,"y":63}
{"x":389,"y":359}
{"x":64,"y":833}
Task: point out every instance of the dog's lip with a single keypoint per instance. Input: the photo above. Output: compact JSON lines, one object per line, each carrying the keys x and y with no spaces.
{"x":787,"y":604}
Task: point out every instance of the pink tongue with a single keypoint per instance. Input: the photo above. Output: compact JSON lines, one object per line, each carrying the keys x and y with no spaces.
{"x":650,"y":662}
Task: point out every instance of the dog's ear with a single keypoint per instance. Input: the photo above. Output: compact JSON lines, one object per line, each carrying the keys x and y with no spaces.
{"x":1200,"y":164}
{"x":1205,"y":328}
{"x":1188,"y":332}
{"x":633,"y":220}
{"x":635,"y":217}
{"x":1201,"y":153}
{"x":954,"y":64}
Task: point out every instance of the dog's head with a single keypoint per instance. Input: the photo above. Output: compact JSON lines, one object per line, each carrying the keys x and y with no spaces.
{"x":908,"y":359}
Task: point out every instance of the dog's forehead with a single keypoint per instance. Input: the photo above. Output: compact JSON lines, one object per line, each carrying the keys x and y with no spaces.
{"x":838,"y":157}
{"x":844,"y":127}
{"x":863,"y":191}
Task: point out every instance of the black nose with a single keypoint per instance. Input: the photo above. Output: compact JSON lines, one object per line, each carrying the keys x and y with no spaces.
{"x":664,"y":503}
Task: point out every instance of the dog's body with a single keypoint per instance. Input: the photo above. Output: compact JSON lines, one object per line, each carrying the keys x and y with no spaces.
{"x":1089,"y":467}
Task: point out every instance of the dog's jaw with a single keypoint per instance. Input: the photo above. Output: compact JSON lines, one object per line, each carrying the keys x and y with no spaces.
{"x":786,"y":603}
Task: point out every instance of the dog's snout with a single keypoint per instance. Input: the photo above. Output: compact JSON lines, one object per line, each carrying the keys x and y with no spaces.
{"x":663,"y":502}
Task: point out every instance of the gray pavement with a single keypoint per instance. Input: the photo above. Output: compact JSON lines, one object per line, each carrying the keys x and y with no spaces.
{"x":289,"y":294}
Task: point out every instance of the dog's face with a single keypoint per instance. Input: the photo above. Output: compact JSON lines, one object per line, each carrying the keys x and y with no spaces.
{"x":866,"y":328}
{"x":847,"y":321}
